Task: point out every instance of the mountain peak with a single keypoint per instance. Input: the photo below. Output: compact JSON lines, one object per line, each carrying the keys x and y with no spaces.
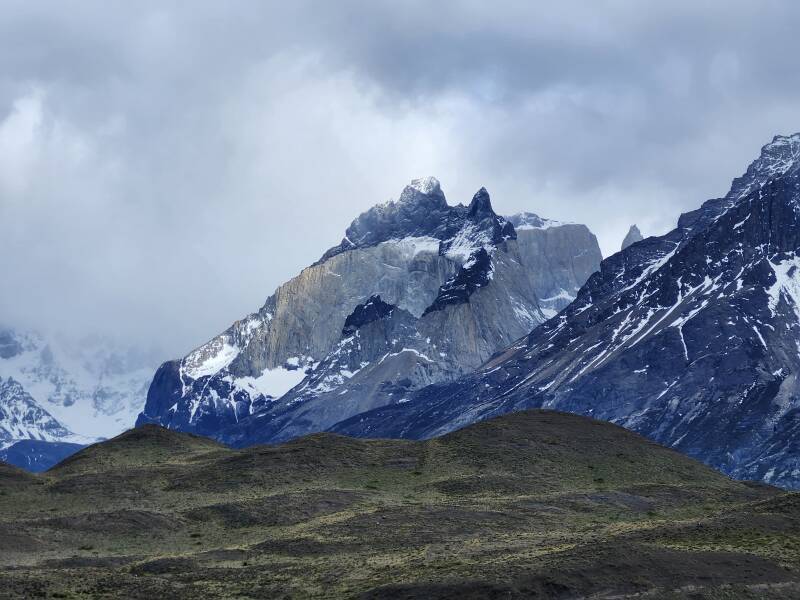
{"x":783,"y":141}
{"x":481,"y":204}
{"x":22,"y":417}
{"x":426,"y":185}
{"x":779,"y":157}
{"x":425,"y":190}
{"x":422,"y":211}
{"x":633,"y":236}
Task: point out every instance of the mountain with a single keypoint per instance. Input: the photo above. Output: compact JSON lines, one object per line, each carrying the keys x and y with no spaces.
{"x":690,"y":338}
{"x":418,"y":292}
{"x":56,"y":392}
{"x":633,"y":236}
{"x":21,"y":417}
{"x":93,"y":386}
{"x":36,"y":455}
{"x":537,"y":504}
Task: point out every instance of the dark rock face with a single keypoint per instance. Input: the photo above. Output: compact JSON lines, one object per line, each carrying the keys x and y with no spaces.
{"x":372,"y":310}
{"x":202,"y":418}
{"x":633,"y":236}
{"x":690,"y":338}
{"x":474,"y":274}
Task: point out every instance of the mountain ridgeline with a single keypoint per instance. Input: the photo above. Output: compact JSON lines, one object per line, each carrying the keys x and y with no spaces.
{"x":418,"y":292}
{"x":690,"y":338}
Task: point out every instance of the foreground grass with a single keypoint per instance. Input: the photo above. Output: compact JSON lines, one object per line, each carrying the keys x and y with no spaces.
{"x":535,"y":504}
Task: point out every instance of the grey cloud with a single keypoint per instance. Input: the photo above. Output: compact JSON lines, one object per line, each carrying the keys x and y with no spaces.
{"x":163,"y":166}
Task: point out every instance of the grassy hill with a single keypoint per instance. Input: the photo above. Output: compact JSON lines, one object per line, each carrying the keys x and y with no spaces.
{"x":535,"y":504}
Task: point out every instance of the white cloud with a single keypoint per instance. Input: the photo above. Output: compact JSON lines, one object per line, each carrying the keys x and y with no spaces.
{"x":164,"y":166}
{"x":20,"y":144}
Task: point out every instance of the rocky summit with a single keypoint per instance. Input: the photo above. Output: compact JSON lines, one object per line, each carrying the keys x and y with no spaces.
{"x":21,"y":417}
{"x":633,"y":236}
{"x":690,"y":338}
{"x":418,"y":292}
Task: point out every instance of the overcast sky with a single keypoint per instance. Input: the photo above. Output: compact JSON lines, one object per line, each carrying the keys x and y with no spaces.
{"x":164,"y":166}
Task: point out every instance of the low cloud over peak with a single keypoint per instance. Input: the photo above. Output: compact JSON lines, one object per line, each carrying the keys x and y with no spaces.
{"x":164,"y":166}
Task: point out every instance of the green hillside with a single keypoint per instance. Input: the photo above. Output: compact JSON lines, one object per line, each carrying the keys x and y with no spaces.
{"x":534,"y":504}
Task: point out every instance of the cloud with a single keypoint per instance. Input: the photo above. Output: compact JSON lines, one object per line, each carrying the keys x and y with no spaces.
{"x":164,"y":166}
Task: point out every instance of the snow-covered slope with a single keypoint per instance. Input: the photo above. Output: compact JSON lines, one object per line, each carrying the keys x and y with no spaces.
{"x":21,"y":418}
{"x":692,"y":339}
{"x":442,"y":288}
{"x":90,"y":387}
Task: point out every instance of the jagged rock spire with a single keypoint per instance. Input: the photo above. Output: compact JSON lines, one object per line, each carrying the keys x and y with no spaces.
{"x":422,"y":211}
{"x":481,"y":204}
{"x":633,"y":236}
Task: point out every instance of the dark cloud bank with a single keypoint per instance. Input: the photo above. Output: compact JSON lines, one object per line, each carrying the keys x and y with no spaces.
{"x":164,"y":166}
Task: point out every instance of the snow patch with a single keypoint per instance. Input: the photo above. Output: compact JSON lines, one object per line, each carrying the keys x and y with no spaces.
{"x":425,"y":185}
{"x":530,"y":221}
{"x":410,"y":247}
{"x":525,"y":315}
{"x":466,"y":242}
{"x":787,"y":284}
{"x":272,"y":382}
{"x":211,"y":358}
